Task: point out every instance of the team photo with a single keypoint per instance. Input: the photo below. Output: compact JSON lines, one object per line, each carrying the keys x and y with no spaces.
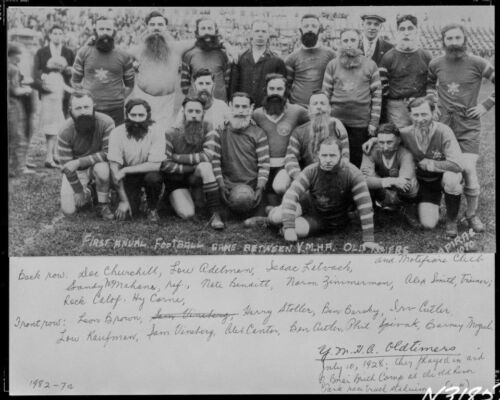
{"x":250,"y":130}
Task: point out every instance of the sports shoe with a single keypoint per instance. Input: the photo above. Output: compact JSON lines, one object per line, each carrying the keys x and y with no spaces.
{"x":153,"y":216}
{"x":253,"y":222}
{"x":216,"y":222}
{"x":451,"y":229}
{"x":475,"y":223}
{"x":105,"y":212}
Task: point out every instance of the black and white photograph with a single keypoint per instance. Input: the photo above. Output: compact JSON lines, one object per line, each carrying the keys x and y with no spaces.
{"x":250,"y":130}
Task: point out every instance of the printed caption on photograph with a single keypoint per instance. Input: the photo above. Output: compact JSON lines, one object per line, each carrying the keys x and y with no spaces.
{"x":260,"y":324}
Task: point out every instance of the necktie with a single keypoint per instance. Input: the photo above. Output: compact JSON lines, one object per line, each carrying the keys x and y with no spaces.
{"x":370,"y":49}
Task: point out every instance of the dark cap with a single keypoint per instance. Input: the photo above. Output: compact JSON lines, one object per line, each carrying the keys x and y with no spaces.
{"x":373,"y":16}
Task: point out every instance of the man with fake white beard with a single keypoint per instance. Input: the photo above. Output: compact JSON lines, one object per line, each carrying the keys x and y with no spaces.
{"x":332,"y":186}
{"x":158,"y":59}
{"x":403,"y":72}
{"x":82,"y":144}
{"x":187,"y":164}
{"x":210,"y":53}
{"x":306,"y":66}
{"x":105,"y":71}
{"x":239,"y":152}
{"x":136,"y":151}
{"x":352,"y":83}
{"x":215,"y":110}
{"x":278,"y":118}
{"x":458,"y":77}
{"x":305,"y":138}
{"x":439,"y":164}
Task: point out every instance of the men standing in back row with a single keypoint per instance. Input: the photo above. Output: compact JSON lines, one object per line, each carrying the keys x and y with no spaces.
{"x":372,"y":45}
{"x":306,"y":65}
{"x":457,"y":77}
{"x":105,"y":71}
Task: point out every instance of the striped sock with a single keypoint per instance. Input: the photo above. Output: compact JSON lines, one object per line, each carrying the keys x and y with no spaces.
{"x":211,"y":190}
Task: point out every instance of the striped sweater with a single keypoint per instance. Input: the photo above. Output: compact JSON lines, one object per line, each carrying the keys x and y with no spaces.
{"x":239,"y":157}
{"x":355,"y":93}
{"x":88,"y":151}
{"x":331,"y":193}
{"x":298,"y":154}
{"x":181,"y":156}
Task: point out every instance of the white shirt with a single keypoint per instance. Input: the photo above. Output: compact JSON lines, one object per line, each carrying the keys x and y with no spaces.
{"x":369,"y":47}
{"x":55,"y":51}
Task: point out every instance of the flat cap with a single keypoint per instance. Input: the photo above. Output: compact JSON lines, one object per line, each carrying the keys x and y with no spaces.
{"x":373,"y":16}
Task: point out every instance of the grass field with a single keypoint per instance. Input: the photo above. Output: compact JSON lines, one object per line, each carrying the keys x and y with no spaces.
{"x":38,"y":228}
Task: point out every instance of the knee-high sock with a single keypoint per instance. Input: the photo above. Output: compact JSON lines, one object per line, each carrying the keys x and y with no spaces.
{"x":211,"y":190}
{"x":472,"y":202}
{"x":452,"y":206}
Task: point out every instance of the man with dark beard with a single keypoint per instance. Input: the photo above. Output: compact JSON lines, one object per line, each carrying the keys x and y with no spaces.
{"x":278,"y":118}
{"x":215,"y":110}
{"x":159,"y":55}
{"x":136,"y":151}
{"x":239,"y":151}
{"x":458,"y":77}
{"x":306,"y":66}
{"x":352,"y":83}
{"x":105,"y":71}
{"x":403,"y":72}
{"x":187,"y":164}
{"x":208,"y":52}
{"x":82,"y":144}
{"x":304,"y":141}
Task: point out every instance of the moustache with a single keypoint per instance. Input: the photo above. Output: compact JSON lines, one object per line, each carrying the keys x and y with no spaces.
{"x":137,"y":130}
{"x":208,"y":42}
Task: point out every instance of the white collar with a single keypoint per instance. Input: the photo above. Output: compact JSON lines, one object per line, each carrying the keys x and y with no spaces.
{"x":55,"y":50}
{"x":272,"y":119}
{"x":388,"y":162}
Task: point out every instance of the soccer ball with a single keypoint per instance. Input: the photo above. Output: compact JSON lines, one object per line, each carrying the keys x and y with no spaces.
{"x":241,"y":199}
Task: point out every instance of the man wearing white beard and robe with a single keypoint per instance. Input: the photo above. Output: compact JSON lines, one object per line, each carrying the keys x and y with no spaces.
{"x":158,"y":60}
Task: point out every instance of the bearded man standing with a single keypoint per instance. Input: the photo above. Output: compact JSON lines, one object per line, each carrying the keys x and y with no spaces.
{"x":352,"y":83}
{"x":208,"y":52}
{"x":278,"y":118}
{"x":136,"y":151}
{"x":159,"y":55}
{"x":458,"y":77}
{"x":187,"y":164}
{"x":306,"y":66}
{"x":105,"y":71}
{"x":82,"y":144}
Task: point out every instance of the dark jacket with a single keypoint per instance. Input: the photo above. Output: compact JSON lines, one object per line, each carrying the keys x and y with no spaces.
{"x":382,"y":47}
{"x":248,"y":76}
{"x":42,"y":56}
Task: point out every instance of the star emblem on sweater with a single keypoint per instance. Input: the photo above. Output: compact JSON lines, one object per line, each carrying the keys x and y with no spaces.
{"x":453,"y":88}
{"x":323,"y":200}
{"x":436,"y":155}
{"x":101,"y":74}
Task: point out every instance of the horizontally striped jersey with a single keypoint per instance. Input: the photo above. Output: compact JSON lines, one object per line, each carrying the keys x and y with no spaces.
{"x":458,"y":82}
{"x":331,"y":194}
{"x":355,"y":93}
{"x":443,"y":149}
{"x":298,"y":153}
{"x":87,"y":150}
{"x":374,"y":169}
{"x":105,"y":75}
{"x":239,"y":156}
{"x":183,"y":157}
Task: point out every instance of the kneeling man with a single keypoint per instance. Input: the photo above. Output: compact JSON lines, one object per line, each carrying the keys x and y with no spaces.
{"x":136,"y":151}
{"x":187,"y":164}
{"x":81,"y":151}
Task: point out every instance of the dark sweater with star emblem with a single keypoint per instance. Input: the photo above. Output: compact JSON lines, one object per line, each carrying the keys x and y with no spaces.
{"x":331,"y":194}
{"x":105,"y":75}
{"x":278,"y":132}
{"x":443,"y":149}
